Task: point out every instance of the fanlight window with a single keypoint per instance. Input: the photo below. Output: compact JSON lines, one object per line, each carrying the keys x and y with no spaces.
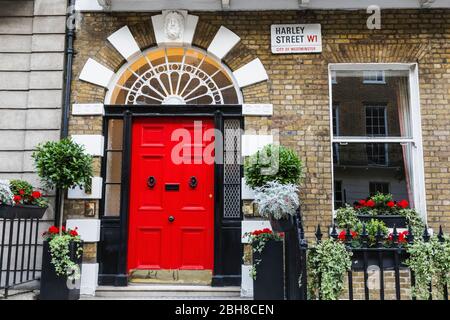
{"x":175,"y":76}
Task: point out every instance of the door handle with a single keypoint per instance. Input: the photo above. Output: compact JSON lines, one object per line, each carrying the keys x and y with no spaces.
{"x":171,"y":218}
{"x":151,"y":181}
{"x":193,"y":182}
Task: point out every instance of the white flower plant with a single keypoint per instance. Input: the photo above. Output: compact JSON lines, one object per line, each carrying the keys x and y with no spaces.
{"x":6,"y":195}
{"x":277,"y":200}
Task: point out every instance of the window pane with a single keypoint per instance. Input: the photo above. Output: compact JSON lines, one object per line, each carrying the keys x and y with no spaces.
{"x":367,"y":108}
{"x":112,"y":200}
{"x":113,"y":166}
{"x":365,"y":168}
{"x":115,"y":134}
{"x":338,"y":195}
{"x":378,"y":187}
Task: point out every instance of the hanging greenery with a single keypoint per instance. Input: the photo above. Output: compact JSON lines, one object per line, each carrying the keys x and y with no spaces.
{"x":328,"y":262}
{"x":430,"y":262}
{"x":413,"y":220}
{"x":59,"y":243}
{"x":346,"y":217}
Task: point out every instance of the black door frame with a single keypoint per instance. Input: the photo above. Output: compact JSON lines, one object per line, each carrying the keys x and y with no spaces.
{"x":227,"y":232}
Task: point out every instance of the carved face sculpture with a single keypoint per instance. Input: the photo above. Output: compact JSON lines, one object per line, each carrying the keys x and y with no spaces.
{"x":174,"y":25}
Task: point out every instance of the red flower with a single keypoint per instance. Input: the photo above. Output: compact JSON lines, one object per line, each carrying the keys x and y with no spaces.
{"x":343,"y":234}
{"x":53,"y":230}
{"x":36,"y":194}
{"x":73,"y":233}
{"x":391,"y":204}
{"x":362,"y":202}
{"x":17,"y":198}
{"x":370,"y":203}
{"x":21,"y":192}
{"x":402,"y":237}
{"x":403,"y":204}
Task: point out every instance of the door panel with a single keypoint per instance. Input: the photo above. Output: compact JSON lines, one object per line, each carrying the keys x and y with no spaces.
{"x":187,"y":241}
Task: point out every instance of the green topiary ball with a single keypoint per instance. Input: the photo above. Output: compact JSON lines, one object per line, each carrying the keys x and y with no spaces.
{"x":265,"y":166}
{"x":63,"y":164}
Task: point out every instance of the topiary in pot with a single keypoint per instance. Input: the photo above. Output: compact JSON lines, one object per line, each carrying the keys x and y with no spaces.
{"x":63,"y":165}
{"x":273,"y":163}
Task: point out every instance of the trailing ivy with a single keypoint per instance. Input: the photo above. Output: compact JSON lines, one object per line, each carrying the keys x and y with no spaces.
{"x":60,"y":250}
{"x":413,"y":220}
{"x":346,"y":217}
{"x":328,"y":263}
{"x":430,"y":262}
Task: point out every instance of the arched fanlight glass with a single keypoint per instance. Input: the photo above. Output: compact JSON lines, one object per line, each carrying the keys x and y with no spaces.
{"x":175,"y":76}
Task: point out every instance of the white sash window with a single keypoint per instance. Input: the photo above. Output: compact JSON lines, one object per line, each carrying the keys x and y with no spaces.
{"x":378,"y":132}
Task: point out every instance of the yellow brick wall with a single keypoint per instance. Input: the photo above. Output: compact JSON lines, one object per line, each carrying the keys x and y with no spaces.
{"x":298,"y":84}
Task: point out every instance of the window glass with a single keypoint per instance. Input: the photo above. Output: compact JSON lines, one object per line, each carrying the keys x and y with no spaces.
{"x":113,"y":168}
{"x":358,"y":166}
{"x":372,"y":110}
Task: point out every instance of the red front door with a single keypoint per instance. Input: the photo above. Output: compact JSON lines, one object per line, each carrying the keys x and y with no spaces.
{"x":171,"y":218}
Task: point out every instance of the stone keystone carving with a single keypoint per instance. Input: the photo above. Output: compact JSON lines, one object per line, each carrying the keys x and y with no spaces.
{"x":174,"y":25}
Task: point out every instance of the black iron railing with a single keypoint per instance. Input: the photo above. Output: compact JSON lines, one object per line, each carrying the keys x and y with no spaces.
{"x":385,"y":261}
{"x":20,"y":249}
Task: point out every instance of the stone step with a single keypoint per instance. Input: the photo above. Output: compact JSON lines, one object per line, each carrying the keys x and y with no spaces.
{"x":169,"y":292}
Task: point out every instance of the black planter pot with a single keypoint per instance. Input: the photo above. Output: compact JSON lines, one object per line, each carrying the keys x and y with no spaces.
{"x":54,"y":287}
{"x":269,"y":282}
{"x":387,"y":258}
{"x":282,"y":225}
{"x":389,"y":220}
{"x":22,"y":212}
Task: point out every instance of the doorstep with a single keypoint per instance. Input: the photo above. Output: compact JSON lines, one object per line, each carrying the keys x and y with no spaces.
{"x":165,"y":292}
{"x":189,"y":277}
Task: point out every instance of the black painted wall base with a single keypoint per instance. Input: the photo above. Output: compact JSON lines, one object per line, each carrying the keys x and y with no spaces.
{"x":226,"y":280}
{"x":116,"y":280}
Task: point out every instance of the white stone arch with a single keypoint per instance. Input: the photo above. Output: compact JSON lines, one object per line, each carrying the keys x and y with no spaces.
{"x":125,"y":43}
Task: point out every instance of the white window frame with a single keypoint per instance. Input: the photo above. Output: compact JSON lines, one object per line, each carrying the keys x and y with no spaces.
{"x":336,"y":112}
{"x":417,"y":177}
{"x":369,"y":73}
{"x":333,"y":77}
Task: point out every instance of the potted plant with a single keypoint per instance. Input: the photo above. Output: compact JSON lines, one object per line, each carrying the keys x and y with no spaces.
{"x":61,"y":264}
{"x":62,"y":164}
{"x":278,"y":202}
{"x":25,"y":203}
{"x":382,"y":207}
{"x":274,"y":173}
{"x":267,"y":268}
